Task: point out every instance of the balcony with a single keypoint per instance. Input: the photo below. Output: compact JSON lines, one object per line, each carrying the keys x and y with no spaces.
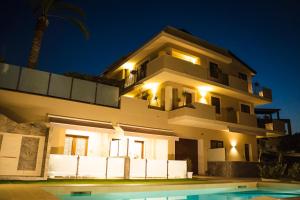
{"x":196,"y":110}
{"x":176,"y":64}
{"x":246,"y":119}
{"x":200,"y":72}
{"x":276,"y":126}
{"x":55,"y":85}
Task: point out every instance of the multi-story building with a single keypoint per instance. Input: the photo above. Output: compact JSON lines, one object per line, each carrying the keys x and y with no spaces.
{"x":179,"y":98}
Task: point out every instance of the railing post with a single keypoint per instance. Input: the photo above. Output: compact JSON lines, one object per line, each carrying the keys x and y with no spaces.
{"x":77,"y":166}
{"x":48,"y":87}
{"x":19,"y":78}
{"x":145,"y":168}
{"x":106,"y":168}
{"x":167,"y":169}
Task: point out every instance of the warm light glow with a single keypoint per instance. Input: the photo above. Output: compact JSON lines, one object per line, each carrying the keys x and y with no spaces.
{"x":128,"y":95}
{"x":128,"y":65}
{"x":203,"y":90}
{"x":77,"y":132}
{"x":151,"y":86}
{"x":233,"y":143}
{"x":183,"y":56}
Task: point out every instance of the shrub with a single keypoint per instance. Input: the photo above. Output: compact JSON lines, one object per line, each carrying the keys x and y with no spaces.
{"x":294,"y":171}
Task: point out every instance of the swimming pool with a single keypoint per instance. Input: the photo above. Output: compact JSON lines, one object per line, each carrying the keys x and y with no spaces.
{"x":207,"y":194}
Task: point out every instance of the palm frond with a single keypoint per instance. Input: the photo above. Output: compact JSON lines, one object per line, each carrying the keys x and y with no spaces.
{"x":47,"y":5}
{"x":65,"y":6}
{"x":75,"y":22}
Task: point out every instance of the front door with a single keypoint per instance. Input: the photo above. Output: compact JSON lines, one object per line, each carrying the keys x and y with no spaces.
{"x":187,"y":149}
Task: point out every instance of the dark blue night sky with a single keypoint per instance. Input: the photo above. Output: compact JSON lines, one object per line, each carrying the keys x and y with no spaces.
{"x":265,"y":34}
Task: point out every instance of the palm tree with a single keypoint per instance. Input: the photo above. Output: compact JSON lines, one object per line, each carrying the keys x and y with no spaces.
{"x":45,"y":9}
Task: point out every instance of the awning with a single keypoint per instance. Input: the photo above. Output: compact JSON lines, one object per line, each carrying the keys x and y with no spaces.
{"x":79,"y":122}
{"x":147,"y":130}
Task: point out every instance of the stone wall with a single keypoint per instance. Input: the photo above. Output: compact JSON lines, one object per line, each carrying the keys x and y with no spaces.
{"x":233,"y":169}
{"x":23,"y":147}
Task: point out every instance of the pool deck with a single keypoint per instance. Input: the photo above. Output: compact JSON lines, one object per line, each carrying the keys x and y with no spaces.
{"x":46,"y":191}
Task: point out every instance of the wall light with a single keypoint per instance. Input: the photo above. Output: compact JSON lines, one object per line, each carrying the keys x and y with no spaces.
{"x":233,"y":143}
{"x":151,"y":86}
{"x":128,"y":65}
{"x":203,"y":90}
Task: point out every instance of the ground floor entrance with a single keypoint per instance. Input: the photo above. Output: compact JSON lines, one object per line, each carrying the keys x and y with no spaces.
{"x":187,"y":149}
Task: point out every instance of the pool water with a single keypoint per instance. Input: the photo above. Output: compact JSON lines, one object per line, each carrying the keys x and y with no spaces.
{"x":210,"y":194}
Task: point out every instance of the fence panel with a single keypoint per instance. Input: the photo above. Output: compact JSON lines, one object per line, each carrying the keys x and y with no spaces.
{"x":60,"y":86}
{"x":107,"y":95}
{"x":83,"y":90}
{"x":156,"y":169}
{"x":92,"y":166}
{"x":34,"y":81}
{"x":115,"y":167}
{"x":62,"y":165}
{"x":9,"y":75}
{"x":137,"y":168}
{"x":177,"y":169}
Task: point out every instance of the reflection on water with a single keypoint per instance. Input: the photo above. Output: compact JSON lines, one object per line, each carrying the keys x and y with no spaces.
{"x":184,"y":195}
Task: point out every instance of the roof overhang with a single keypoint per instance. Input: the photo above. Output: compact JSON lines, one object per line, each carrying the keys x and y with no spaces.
{"x":79,"y":122}
{"x":218,"y":125}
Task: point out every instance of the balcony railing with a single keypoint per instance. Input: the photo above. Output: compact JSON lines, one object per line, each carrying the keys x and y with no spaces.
{"x":261,"y":91}
{"x":49,"y":84}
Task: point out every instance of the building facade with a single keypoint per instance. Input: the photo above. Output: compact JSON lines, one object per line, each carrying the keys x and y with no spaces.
{"x":179,"y":98}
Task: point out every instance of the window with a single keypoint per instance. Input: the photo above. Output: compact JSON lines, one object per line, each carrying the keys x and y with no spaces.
{"x":215,"y":101}
{"x":76,"y":145}
{"x":138,"y":149}
{"x":243,"y":76}
{"x":214,"y":70}
{"x":245,"y":108}
{"x":214,"y":144}
{"x":114,"y":147}
{"x":118,"y":147}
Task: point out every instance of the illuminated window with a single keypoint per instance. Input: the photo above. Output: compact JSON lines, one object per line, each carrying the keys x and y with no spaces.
{"x":186,"y":57}
{"x":75,"y":145}
{"x":138,"y":149}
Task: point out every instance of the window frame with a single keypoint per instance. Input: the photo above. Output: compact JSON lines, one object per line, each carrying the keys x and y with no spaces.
{"x":216,"y":142}
{"x":242,"y":76}
{"x":118,"y":151}
{"x":74,"y":143}
{"x":213,"y":64}
{"x":143,"y":147}
{"x":246,"y":104}
{"x":218,"y":97}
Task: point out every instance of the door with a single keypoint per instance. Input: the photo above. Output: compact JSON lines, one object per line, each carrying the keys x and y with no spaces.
{"x":188,"y":98}
{"x":187,"y":149}
{"x":247,"y":152}
{"x":175,"y":99}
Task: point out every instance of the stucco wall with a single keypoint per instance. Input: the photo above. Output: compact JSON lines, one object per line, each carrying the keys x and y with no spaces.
{"x":27,"y":107}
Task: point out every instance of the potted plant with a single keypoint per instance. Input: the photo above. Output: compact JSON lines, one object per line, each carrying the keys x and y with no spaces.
{"x":189,"y":168}
{"x":145,"y":95}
